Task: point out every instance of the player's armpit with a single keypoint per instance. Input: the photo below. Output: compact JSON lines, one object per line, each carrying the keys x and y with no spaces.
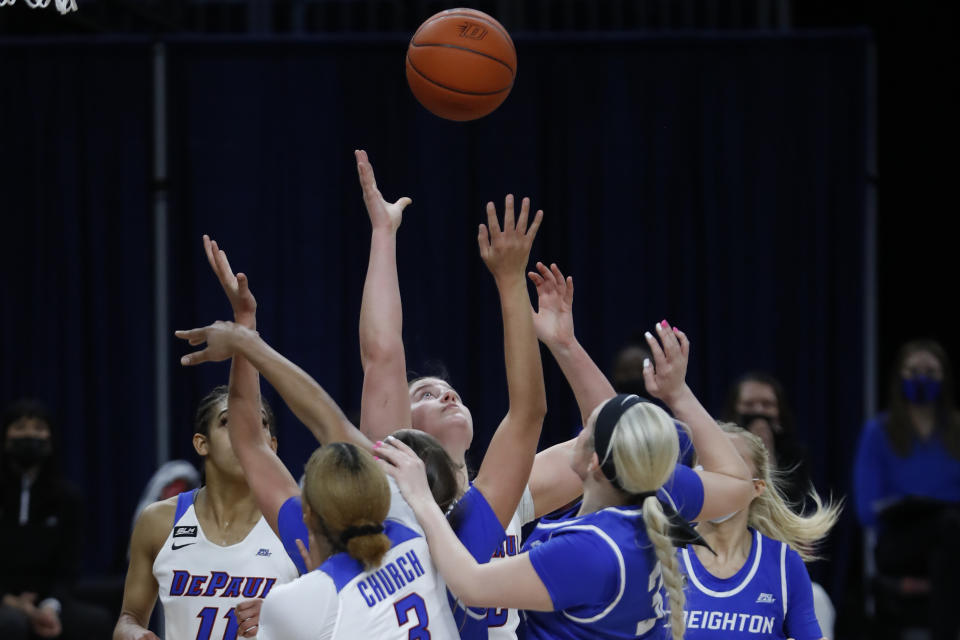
{"x":140,"y":588}
{"x":552,"y":482}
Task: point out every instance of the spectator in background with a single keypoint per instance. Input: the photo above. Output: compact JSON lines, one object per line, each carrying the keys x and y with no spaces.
{"x":627,"y":373}
{"x":907,"y":481}
{"x":40,"y":528}
{"x":757,"y":402}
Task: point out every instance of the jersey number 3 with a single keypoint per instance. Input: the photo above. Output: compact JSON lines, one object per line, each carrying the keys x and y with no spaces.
{"x":402,"y":608}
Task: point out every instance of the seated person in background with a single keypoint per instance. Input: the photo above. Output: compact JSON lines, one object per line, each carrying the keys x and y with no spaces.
{"x":757,"y":402}
{"x":627,"y":373}
{"x":907,"y":481}
{"x":40,"y":528}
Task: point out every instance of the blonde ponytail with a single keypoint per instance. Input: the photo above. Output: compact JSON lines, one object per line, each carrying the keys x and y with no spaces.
{"x":644,"y":448}
{"x":657,"y":528}
{"x":349,"y":497}
{"x":770,"y":513}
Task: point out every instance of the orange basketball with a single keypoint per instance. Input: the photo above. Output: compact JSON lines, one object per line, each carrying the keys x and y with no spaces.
{"x":461,"y":64}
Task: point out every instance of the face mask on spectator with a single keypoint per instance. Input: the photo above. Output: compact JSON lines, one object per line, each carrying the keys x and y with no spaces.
{"x":920,"y":389}
{"x":27,"y":451}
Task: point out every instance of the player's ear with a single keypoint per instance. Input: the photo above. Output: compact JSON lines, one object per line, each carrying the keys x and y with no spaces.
{"x":594,"y":464}
{"x":273,"y":444}
{"x":201,"y":445}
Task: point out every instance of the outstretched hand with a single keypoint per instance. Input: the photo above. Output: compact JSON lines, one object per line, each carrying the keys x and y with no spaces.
{"x":553,"y":319}
{"x":507,"y":251}
{"x":220,"y":337}
{"x":406,"y":468}
{"x":666,"y":377}
{"x":383,"y":215}
{"x":236,"y":287}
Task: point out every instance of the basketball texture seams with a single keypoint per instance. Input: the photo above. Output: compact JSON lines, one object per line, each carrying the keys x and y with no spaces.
{"x":461,"y":64}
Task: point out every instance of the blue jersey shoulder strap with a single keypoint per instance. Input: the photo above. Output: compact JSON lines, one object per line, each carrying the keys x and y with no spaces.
{"x":184,"y":500}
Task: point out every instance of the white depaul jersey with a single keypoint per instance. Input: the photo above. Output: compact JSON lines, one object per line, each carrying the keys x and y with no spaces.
{"x":403,"y":598}
{"x":201,"y":583}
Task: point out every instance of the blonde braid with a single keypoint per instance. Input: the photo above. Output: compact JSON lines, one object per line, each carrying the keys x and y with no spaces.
{"x":657,"y":528}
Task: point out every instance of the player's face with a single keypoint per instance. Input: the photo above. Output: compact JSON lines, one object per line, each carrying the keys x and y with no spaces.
{"x":216,"y":445}
{"x":436,"y":408}
{"x":922,"y":363}
{"x":743,"y":448}
{"x":758,"y":398}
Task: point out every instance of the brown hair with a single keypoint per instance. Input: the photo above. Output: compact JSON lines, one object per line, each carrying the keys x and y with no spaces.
{"x":898,"y":427}
{"x":442,"y":471}
{"x":346,"y":490}
{"x":208,"y":404}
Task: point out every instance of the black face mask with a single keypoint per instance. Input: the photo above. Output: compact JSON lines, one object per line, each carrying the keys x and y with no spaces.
{"x":28,"y":452}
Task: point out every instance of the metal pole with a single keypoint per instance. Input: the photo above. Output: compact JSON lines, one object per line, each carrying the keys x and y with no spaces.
{"x":870,"y":304}
{"x":161,"y":325}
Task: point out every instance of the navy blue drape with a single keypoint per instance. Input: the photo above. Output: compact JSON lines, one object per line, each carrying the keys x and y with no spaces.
{"x":76,"y":269}
{"x":717,"y":182}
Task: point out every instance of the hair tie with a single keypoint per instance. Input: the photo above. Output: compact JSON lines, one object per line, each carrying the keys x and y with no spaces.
{"x":366,"y":530}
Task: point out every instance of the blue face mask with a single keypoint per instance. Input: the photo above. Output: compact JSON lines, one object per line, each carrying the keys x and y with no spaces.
{"x":920,"y":389}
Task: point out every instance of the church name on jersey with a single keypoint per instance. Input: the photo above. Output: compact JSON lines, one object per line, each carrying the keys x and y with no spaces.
{"x":509,"y":547}
{"x":219,"y":583}
{"x":729,"y":621}
{"x":389,"y":578}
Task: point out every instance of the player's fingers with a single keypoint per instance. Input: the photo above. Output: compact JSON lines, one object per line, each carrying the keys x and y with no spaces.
{"x":524,"y":215}
{"x":191,"y":334}
{"x":558,"y":277}
{"x":403,"y":203}
{"x":224,"y":264}
{"x":658,"y":358}
{"x":492,"y":223}
{"x":535,"y":225}
{"x":568,"y":295}
{"x":684,"y":342}
{"x":243,"y":284}
{"x":196,"y":357}
{"x":304,"y":552}
{"x":546,"y":274}
{"x":208,"y":250}
{"x":509,"y":224}
{"x":483,"y":240}
{"x":671,"y":347}
{"x":390,"y":441}
{"x":649,"y":376}
{"x":535,"y":278}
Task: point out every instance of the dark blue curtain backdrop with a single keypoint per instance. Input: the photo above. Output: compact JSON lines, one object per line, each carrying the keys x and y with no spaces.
{"x":77,"y":265}
{"x":717,"y":182}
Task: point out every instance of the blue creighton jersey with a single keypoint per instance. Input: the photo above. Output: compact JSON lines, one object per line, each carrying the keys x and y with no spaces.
{"x":770,"y":597}
{"x":601,"y":570}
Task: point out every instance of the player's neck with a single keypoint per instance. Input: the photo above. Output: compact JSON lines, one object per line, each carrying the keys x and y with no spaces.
{"x":730,"y":540}
{"x":227,"y":502}
{"x":600,"y":495}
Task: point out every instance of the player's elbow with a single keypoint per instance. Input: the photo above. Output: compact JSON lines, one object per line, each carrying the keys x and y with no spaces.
{"x":380,"y":348}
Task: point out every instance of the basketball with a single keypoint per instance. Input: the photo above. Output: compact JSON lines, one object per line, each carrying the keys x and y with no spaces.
{"x":461,"y":64}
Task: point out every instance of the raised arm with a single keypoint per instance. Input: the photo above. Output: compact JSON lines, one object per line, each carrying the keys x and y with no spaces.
{"x":725,"y":475}
{"x":385,"y":401}
{"x":307,"y":399}
{"x":552,"y":482}
{"x":554,"y":323}
{"x":268,"y":478}
{"x":505,"y":469}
